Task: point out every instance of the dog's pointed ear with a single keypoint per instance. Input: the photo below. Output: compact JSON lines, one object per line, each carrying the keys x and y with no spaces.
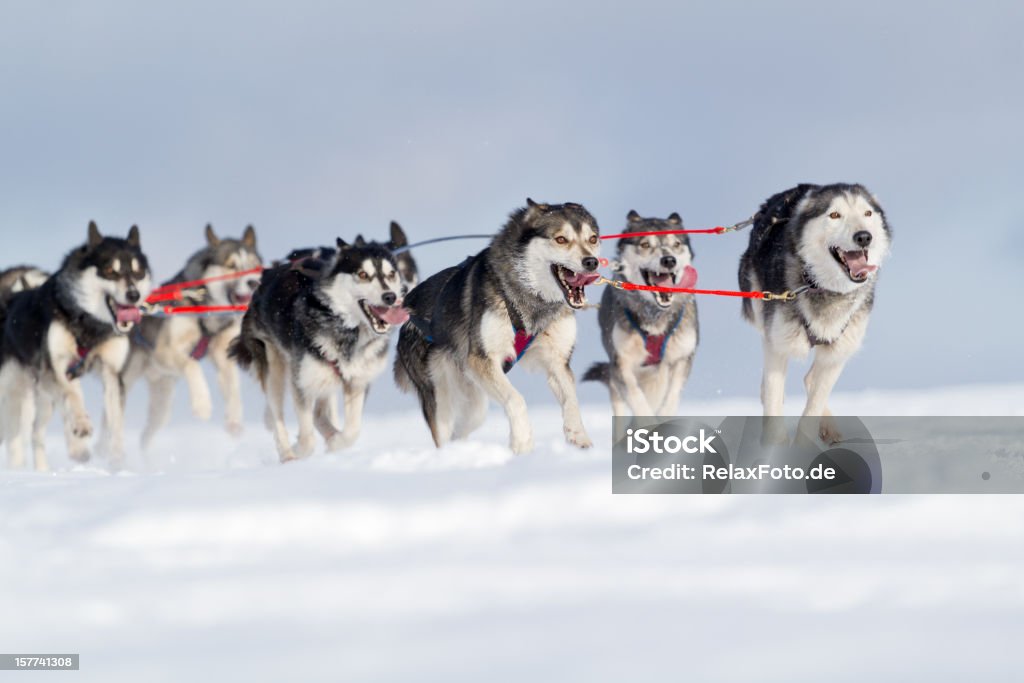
{"x":675,"y":219}
{"x":94,"y":235}
{"x":211,"y":237}
{"x":398,"y":238}
{"x":249,"y":237}
{"x":342,"y":244}
{"x":133,"y":236}
{"x":360,"y":242}
{"x":632,"y":216}
{"x":533,"y":208}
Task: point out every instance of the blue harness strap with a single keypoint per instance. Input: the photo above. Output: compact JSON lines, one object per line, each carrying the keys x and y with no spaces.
{"x":655,"y":343}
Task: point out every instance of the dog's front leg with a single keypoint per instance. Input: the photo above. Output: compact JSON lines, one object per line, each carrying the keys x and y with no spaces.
{"x":305,"y":413}
{"x":112,"y":434}
{"x":16,"y":413}
{"x":819,"y":382}
{"x":678,"y":373}
{"x":44,"y":412}
{"x":490,"y":376}
{"x":355,"y":399}
{"x":630,"y":389}
{"x":229,"y":380}
{"x":198,"y":389}
{"x":563,"y":386}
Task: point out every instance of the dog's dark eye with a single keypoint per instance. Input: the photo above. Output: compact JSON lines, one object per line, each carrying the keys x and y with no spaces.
{"x":868,"y":212}
{"x":561,"y":240}
{"x":593,"y":239}
{"x":392,"y":275}
{"x":108,"y":272}
{"x":363,"y":275}
{"x":645,"y":245}
{"x":834,"y":215}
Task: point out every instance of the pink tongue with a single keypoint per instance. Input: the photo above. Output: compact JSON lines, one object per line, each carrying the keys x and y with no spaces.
{"x":395,"y":315}
{"x":857,"y":262}
{"x":128,"y":314}
{"x":581,"y":279}
{"x":689,"y":278}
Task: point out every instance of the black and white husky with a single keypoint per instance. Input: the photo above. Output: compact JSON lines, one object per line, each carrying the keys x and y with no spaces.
{"x":165,"y":349}
{"x":650,"y":337}
{"x":77,"y":320}
{"x":832,"y":239}
{"x":513,"y":301}
{"x":316,"y":325}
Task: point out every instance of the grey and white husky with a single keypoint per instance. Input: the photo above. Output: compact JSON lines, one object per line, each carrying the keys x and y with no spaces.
{"x":515,"y":300}
{"x":650,"y":337}
{"x":20,"y":279}
{"x":316,"y":325}
{"x":832,"y":239}
{"x":165,"y":349}
{"x":77,"y":320}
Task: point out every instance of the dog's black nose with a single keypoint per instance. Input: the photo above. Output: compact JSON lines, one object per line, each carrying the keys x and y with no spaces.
{"x":668,"y":262}
{"x":133,"y":296}
{"x":862,"y":238}
{"x":590,"y":263}
{"x":389,"y":298}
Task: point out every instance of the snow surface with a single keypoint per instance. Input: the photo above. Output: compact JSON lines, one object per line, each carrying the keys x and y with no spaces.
{"x":396,"y":561}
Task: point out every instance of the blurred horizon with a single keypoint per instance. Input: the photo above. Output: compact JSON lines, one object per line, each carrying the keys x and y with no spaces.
{"x":319,"y":119}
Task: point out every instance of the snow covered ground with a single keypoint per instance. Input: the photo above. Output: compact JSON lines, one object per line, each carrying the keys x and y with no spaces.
{"x":395,"y":561}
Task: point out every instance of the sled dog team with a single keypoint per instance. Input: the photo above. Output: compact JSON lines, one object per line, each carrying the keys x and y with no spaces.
{"x":320,"y":321}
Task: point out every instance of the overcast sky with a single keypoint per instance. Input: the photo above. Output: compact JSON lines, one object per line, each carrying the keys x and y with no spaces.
{"x":312,"y":120}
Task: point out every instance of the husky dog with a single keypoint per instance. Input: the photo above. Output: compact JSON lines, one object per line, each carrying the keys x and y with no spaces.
{"x":318,"y":324}
{"x":166,"y":349}
{"x":831,"y":239}
{"x":20,"y":279}
{"x":650,"y":337}
{"x":77,"y":320}
{"x":399,"y":244}
{"x":514,"y":300}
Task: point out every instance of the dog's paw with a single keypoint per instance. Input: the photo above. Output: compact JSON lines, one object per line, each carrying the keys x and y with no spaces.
{"x":774,"y":432}
{"x":340,"y":441}
{"x":41,"y":464}
{"x":202,"y":408}
{"x":304,"y":448}
{"x":233,"y":428}
{"x":829,"y":431}
{"x":578,"y":437}
{"x":81,"y":427}
{"x":521,"y":443}
{"x":80,"y":454}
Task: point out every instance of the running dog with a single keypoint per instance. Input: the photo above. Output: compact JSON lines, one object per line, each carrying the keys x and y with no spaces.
{"x":830,"y":239}
{"x":163,"y":350}
{"x":77,"y":320}
{"x":515,"y":300}
{"x":650,"y":337}
{"x":316,"y":324}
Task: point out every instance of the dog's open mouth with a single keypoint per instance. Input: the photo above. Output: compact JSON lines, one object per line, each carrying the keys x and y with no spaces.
{"x":855,"y":263}
{"x":240,"y":299}
{"x":671,"y":279}
{"x":383,"y":317}
{"x":572,"y":284}
{"x":125,"y":316}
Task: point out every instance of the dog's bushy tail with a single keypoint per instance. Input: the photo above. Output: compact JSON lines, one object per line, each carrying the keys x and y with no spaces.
{"x":598,"y":372}
{"x":250,"y":353}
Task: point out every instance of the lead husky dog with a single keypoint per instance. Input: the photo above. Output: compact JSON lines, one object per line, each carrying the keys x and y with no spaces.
{"x":650,"y":337}
{"x":166,"y":349}
{"x":514,"y":300}
{"x":316,"y":325}
{"x":832,"y":239}
{"x":20,"y":279}
{"x":77,"y":320}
